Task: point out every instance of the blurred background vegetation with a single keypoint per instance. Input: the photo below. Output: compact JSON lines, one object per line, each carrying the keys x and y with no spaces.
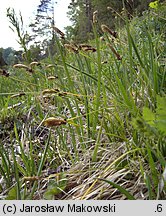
{"x":40,"y":38}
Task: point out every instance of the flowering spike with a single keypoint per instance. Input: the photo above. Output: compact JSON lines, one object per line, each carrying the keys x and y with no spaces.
{"x":71,"y":48}
{"x":59,"y":32}
{"x":51,"y":122}
{"x":24,"y":67}
{"x":106,"y":29}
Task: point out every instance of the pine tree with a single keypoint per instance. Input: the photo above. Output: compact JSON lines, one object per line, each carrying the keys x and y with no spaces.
{"x":42,"y":27}
{"x":80,"y":13}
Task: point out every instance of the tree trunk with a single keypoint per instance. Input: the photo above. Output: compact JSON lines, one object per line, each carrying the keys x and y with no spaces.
{"x":88,"y":11}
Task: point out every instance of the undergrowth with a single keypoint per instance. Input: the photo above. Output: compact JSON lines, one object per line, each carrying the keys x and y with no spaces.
{"x":90,"y":122}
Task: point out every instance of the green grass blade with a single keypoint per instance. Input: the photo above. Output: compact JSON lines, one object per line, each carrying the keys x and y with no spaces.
{"x":16,"y":175}
{"x":41,"y":164}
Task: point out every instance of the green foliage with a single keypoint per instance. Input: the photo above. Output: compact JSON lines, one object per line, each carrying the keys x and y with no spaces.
{"x":55,"y":187}
{"x":80,"y":13}
{"x":42,"y":33}
{"x":154,"y":4}
{"x":153,"y":121}
{"x":110,"y":119}
{"x":2,"y":61}
{"x":111,"y":13}
{"x":9,"y":55}
{"x":12,"y":195}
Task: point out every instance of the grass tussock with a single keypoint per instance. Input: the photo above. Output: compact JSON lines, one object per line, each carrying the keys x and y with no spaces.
{"x":89,"y":122}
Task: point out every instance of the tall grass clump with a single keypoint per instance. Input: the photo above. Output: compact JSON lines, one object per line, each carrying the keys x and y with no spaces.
{"x":90,"y":124}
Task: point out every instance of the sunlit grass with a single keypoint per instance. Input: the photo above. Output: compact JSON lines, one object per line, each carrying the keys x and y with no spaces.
{"x":75,"y":126}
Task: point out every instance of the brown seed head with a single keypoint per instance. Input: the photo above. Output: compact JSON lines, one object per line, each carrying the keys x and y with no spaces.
{"x":106,"y":29}
{"x":61,"y":94}
{"x":86,"y":47}
{"x":50,"y":66}
{"x":50,"y":91}
{"x":71,"y":48}
{"x":57,"y":30}
{"x":31,"y":178}
{"x":51,"y":122}
{"x":104,"y":62}
{"x":4,"y":73}
{"x":102,"y":38}
{"x":24,"y":67}
{"x":20,"y":66}
{"x":52,"y":77}
{"x":115,"y":52}
{"x":32,"y":64}
{"x":95,"y":13}
{"x":18,"y":95}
